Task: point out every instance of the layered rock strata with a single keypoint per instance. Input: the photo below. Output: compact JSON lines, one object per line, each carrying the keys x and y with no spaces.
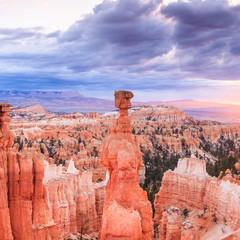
{"x":190,"y":188}
{"x":127,"y":213}
{"x":223,"y":198}
{"x":184,"y":187}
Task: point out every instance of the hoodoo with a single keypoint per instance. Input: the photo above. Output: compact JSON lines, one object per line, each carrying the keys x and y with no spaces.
{"x":127,"y":212}
{"x":6,"y":141}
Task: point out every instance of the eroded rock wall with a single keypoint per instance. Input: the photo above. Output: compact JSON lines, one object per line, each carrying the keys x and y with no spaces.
{"x":73,"y":199}
{"x":183,"y":188}
{"x":190,"y":188}
{"x":40,"y":202}
{"x":54,"y":208}
{"x":223,"y":198}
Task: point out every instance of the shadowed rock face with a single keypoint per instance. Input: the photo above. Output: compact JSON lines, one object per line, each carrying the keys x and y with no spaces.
{"x":127,"y":213}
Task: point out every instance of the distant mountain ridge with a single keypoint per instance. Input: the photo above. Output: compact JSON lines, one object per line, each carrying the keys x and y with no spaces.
{"x":188,"y":103}
{"x":76,"y":102}
{"x":227,"y":113}
{"x":57,"y":101}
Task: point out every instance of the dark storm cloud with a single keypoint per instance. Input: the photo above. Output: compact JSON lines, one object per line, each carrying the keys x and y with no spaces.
{"x":118,"y":33}
{"x":206,"y":35}
{"x":199,"y":22}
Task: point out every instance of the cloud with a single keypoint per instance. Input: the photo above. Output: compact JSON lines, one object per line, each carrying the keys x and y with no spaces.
{"x":118,"y":33}
{"x":20,"y":34}
{"x":134,"y":44}
{"x":206,"y":35}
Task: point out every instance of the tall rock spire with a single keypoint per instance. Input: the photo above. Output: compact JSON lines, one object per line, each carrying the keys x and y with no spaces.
{"x":127,"y":212}
{"x":6,"y":137}
{"x":6,"y":141}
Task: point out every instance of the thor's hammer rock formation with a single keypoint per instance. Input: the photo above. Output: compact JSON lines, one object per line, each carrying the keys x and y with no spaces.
{"x":127,"y":212}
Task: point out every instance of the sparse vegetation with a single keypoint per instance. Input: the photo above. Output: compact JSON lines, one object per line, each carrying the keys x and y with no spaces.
{"x":99,"y":180}
{"x":84,"y":225}
{"x":185,"y":212}
{"x":59,"y":161}
{"x":155,"y":167}
{"x":222,"y":164}
{"x":214,"y":218}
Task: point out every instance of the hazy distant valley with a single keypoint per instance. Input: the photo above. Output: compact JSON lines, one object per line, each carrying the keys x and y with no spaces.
{"x":74,"y":102}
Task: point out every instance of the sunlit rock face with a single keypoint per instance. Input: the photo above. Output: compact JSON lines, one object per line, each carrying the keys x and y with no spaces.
{"x":28,"y":216}
{"x":6,"y":137}
{"x":209,"y":200}
{"x":184,"y":187}
{"x":223,"y":198}
{"x":29,"y":208}
{"x":5,"y":226}
{"x":127,"y":213}
{"x":6,"y":140}
{"x":159,"y":113}
{"x":37,"y":109}
{"x":51,"y":208}
{"x":40,"y":201}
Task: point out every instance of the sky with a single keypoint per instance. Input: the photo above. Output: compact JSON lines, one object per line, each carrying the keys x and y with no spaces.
{"x":159,"y":49}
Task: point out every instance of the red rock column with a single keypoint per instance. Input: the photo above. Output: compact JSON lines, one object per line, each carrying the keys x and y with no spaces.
{"x":6,"y":137}
{"x":127,"y":212}
{"x":6,"y":140}
{"x":20,"y":195}
{"x":5,"y":226}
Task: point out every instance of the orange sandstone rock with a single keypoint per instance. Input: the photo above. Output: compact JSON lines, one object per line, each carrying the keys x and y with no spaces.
{"x":29,"y":207}
{"x":5,"y":226}
{"x":172,"y":227}
{"x":6,"y":140}
{"x":232,"y":236}
{"x":237,"y":166}
{"x":183,"y":188}
{"x":92,"y":115}
{"x":44,"y":202}
{"x":189,"y":232}
{"x":6,"y":137}
{"x":127,"y":213}
{"x":173,"y":231}
{"x":190,"y":187}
